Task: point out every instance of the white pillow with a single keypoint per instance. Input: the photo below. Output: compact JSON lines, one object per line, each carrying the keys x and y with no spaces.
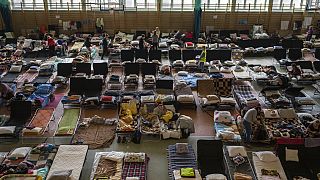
{"x":235,"y":150}
{"x":7,"y":129}
{"x":266,"y":156}
{"x":223,"y":116}
{"x":146,"y":99}
{"x":216,"y":177}
{"x":182,"y":73}
{"x":20,"y":152}
{"x":271,"y":113}
{"x":15,"y":68}
{"x":132,"y":178}
{"x":185,"y":98}
{"x":292,"y":155}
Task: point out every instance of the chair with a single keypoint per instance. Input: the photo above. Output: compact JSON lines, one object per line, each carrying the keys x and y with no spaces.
{"x":20,"y":112}
{"x":279,"y":53}
{"x":190,"y":54}
{"x":127,"y":55}
{"x":210,"y":157}
{"x":294,"y":54}
{"x":155,"y":55}
{"x":174,"y":55}
{"x":141,"y":54}
{"x":317,"y":53}
{"x":100,"y":68}
{"x":83,"y":68}
{"x":64,"y":69}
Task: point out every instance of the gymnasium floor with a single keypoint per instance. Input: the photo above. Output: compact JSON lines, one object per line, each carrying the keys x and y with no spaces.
{"x":155,"y":148}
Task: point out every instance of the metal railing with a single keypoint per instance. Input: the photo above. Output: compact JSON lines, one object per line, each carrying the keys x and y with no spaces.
{"x":164,"y":7}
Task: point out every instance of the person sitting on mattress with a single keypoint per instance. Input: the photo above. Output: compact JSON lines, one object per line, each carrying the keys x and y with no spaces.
{"x":296,"y":71}
{"x":6,"y":93}
{"x":248,"y":119}
{"x":313,"y":129}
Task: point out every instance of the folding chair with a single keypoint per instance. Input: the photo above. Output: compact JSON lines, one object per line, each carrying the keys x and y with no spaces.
{"x":64,"y":69}
{"x":127,"y":55}
{"x":210,"y":157}
{"x":155,"y":55}
{"x":83,"y":68}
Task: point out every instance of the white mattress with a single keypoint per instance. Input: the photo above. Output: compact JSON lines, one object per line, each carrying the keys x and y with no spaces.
{"x":276,"y":165}
{"x":69,"y":157}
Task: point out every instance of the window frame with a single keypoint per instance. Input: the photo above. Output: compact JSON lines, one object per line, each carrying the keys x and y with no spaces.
{"x":64,"y":6}
{"x":26,"y":5}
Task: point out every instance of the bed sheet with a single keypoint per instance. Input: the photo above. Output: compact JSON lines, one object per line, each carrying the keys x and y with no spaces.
{"x":177,"y":161}
{"x":26,"y":77}
{"x":69,"y":157}
{"x":190,"y":79}
{"x":68,"y":121}
{"x":245,"y":168}
{"x":41,"y":119}
{"x":259,"y":165}
{"x":107,"y":164}
{"x":135,"y":169}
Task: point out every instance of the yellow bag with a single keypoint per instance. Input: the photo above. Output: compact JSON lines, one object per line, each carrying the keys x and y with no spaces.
{"x":127,"y":119}
{"x":167,"y":116}
{"x":133,"y":107}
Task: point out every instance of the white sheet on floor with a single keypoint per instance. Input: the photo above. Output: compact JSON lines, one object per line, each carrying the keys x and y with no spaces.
{"x":69,"y":157}
{"x":275,"y":165}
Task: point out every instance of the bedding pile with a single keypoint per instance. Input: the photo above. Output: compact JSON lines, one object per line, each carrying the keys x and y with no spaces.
{"x":96,"y":132}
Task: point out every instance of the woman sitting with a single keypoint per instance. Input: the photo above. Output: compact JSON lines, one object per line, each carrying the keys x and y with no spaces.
{"x":295,"y":71}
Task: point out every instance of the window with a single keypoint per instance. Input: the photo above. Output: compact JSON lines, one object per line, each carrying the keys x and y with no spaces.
{"x":285,"y":5}
{"x":27,"y":4}
{"x":252,"y":5}
{"x":216,"y":5}
{"x":65,"y":4}
{"x":104,"y":4}
{"x":177,"y":5}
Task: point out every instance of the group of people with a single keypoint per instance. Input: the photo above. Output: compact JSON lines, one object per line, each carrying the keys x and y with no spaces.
{"x":250,"y":118}
{"x":155,"y":36}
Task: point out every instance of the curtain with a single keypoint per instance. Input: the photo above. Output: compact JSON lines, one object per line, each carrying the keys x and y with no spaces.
{"x":197,"y":19}
{"x":6,"y":16}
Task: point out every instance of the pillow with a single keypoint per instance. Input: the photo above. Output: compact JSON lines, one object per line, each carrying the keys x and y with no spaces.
{"x":7,"y":130}
{"x":287,"y":113}
{"x":15,"y":69}
{"x":182,"y":73}
{"x":292,"y":155}
{"x":187,"y":172}
{"x":163,"y":45}
{"x":225,"y":70}
{"x":92,"y":99}
{"x":236,"y":150}
{"x":60,"y":175}
{"x":213,"y":98}
{"x":20,"y":152}
{"x":134,"y":157}
{"x":266,"y":156}
{"x":191,"y":62}
{"x":106,"y":98}
{"x":145,"y":99}
{"x":222,"y":116}
{"x":185,"y":98}
{"x":132,"y":178}
{"x":182,"y":148}
{"x":228,"y":100}
{"x":216,"y":177}
{"x":271,"y":113}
